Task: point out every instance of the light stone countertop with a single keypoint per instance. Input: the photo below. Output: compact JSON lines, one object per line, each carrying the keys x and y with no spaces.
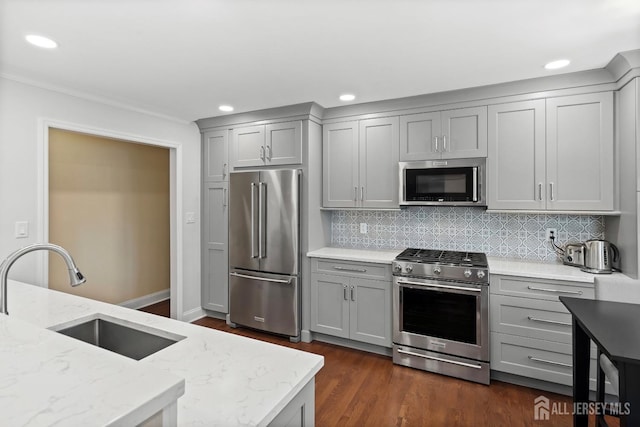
{"x":229,"y":379}
{"x":504,"y":266}
{"x":361,"y":255}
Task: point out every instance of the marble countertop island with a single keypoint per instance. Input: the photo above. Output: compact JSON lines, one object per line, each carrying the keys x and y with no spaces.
{"x":228,"y":379}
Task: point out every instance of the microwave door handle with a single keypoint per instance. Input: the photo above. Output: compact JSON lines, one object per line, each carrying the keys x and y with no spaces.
{"x":475,"y":184}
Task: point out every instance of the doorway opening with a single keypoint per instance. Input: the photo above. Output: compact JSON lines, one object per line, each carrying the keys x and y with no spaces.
{"x":113,"y":200}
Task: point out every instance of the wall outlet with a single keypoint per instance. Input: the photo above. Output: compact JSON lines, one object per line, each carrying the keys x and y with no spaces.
{"x":551,"y":232}
{"x":363,"y":228}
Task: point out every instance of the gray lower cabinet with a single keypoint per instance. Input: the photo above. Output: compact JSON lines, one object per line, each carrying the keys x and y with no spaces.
{"x":215,"y":268}
{"x":449,"y":134}
{"x":537,"y":149}
{"x":267,"y":145}
{"x":531,"y":329}
{"x":350,"y":305}
{"x":360,"y":164}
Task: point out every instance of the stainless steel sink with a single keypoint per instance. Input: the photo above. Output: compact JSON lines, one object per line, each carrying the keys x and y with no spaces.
{"x":108,"y":333}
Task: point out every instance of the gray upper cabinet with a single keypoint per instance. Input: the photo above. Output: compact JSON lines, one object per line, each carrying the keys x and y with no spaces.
{"x":215,"y":286}
{"x":516,"y":161}
{"x":554,"y":154}
{"x":216,"y":163}
{"x":449,"y":134}
{"x":360,"y":164}
{"x":580,"y":152}
{"x":340,"y":165}
{"x":267,"y":145}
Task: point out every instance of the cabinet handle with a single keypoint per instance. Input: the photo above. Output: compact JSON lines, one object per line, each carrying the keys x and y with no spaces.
{"x":550,"y":362}
{"x":224,"y":170}
{"x":344,"y":292}
{"x":557,"y":291}
{"x":355,"y":194}
{"x":358,"y":270}
{"x":262,"y":153}
{"x":353,"y":294}
{"x":551,"y":190}
{"x":436,"y":138}
{"x":362,"y":194}
{"x":553,"y":322}
{"x":269,"y":152}
{"x":224,"y":197}
{"x":444,"y":142}
{"x":540,"y":191}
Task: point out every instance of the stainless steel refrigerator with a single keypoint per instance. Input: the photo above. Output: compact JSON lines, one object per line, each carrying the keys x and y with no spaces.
{"x":264,"y":250}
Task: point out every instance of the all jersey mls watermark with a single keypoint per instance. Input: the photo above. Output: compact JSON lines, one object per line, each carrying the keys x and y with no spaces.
{"x":543,"y":408}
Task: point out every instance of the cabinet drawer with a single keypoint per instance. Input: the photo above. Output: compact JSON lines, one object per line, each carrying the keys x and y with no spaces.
{"x":540,"y":359}
{"x":533,"y":318}
{"x":352,"y":269}
{"x":539,"y":289}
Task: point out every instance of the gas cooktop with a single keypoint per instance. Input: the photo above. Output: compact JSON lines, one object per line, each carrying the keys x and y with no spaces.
{"x":431,"y":256}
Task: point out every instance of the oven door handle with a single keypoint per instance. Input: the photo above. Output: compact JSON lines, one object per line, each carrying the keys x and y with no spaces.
{"x":439,"y":359}
{"x":432,"y":285}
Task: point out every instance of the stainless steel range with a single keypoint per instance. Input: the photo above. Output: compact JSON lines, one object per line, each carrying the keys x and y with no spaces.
{"x":441,"y":312}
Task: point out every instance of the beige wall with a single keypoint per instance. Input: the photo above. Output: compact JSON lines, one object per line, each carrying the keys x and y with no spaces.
{"x":109,"y":206}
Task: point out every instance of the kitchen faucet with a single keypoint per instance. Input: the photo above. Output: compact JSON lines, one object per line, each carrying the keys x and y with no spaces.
{"x":75,"y":277}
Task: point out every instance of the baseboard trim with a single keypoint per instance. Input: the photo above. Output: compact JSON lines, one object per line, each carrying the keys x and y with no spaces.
{"x":193,"y":315}
{"x":356,"y":345}
{"x":146,"y":300}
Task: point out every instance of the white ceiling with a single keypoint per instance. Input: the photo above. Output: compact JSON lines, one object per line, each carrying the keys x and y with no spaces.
{"x":183,"y":58}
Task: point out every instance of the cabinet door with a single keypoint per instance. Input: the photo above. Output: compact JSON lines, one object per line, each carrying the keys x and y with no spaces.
{"x":216,"y":163}
{"x":215,"y":286}
{"x":248,"y":146}
{"x":330,"y":305}
{"x":580,"y":152}
{"x":516,"y":161}
{"x":370,"y":311}
{"x":340,"y":165}
{"x":418,"y":133}
{"x":283,"y":144}
{"x":464,"y":133}
{"x":379,"y":146}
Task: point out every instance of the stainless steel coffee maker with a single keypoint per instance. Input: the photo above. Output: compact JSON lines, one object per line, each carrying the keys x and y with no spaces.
{"x":600,"y":257}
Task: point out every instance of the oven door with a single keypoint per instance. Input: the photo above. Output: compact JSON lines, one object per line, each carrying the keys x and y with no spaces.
{"x":446,"y":317}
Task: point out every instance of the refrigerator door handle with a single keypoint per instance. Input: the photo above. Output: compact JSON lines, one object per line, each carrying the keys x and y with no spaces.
{"x":262,"y":244}
{"x":253,"y":220}
{"x":262,"y":279}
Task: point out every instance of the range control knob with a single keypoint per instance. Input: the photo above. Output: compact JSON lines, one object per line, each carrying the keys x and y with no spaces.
{"x":437,"y":270}
{"x":480,"y":274}
{"x":408,"y":268}
{"x":467,"y":273}
{"x":397,"y":268}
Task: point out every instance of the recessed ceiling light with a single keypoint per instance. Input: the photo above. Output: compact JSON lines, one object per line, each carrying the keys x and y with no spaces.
{"x":347,"y":97}
{"x":554,"y":65}
{"x":226,"y":108}
{"x":41,"y":41}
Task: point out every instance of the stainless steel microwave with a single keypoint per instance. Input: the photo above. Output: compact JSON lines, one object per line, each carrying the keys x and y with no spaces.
{"x":455,"y":182}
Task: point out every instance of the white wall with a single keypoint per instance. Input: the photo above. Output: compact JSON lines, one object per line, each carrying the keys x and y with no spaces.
{"x":22,"y":106}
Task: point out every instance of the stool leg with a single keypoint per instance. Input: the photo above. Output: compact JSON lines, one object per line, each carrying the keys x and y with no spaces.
{"x":600,"y":421}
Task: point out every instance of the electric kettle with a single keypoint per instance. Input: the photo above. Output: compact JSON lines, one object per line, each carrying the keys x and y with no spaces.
{"x":600,"y":257}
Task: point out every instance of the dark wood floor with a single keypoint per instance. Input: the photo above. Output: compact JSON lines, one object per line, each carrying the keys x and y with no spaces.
{"x":356,"y":388}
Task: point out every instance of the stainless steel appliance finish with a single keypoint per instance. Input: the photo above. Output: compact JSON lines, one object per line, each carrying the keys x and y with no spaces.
{"x":601,"y":257}
{"x":441,"y":313}
{"x":264,"y":250}
{"x":130,"y":342}
{"x":574,"y":254}
{"x":456,"y":182}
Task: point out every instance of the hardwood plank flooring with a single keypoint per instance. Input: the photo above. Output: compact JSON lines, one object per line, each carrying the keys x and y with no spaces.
{"x":356,"y":388}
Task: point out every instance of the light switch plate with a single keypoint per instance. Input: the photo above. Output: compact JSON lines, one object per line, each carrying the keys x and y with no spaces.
{"x":191,"y":217}
{"x":22,"y":229}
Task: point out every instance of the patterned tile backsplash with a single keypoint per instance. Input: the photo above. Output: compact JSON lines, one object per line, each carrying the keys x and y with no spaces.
{"x":462,"y":229}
